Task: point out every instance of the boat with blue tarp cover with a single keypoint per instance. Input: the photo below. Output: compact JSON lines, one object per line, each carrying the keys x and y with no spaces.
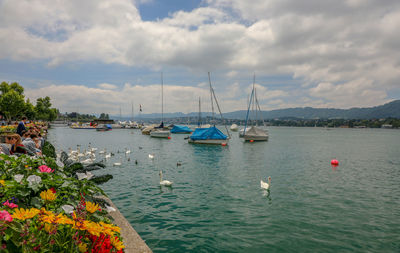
{"x":177,"y":129}
{"x":211,"y":135}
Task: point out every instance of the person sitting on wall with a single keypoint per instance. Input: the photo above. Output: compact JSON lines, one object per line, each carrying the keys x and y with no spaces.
{"x":21,"y":126}
{"x":4,"y":149}
{"x":25,"y":134}
{"x":16,"y":144}
{"x":31,"y":146}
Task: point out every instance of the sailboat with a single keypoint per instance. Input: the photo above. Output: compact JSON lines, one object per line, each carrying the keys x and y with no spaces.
{"x":253,"y":133}
{"x":159,"y":132}
{"x":209,"y":135}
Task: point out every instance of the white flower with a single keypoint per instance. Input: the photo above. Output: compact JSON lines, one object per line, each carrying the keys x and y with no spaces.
{"x":34,"y":179}
{"x":59,"y":163}
{"x":110,"y":209}
{"x":68,"y":208}
{"x":18,"y":177}
{"x":86,"y":175}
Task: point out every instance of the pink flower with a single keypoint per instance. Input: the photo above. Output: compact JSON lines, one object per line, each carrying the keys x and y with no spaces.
{"x":45,"y":169}
{"x":4,"y":215}
{"x":10,"y":205}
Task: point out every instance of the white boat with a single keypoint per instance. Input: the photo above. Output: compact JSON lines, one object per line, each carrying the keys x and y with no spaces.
{"x":241,"y":132}
{"x":160,"y":132}
{"x":254,"y":133}
{"x":234,"y":128}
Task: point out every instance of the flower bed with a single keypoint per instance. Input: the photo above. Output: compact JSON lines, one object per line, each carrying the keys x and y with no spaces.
{"x":45,"y":208}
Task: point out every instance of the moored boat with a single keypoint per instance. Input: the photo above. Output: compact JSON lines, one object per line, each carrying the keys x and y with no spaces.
{"x":177,"y":129}
{"x":234,"y":128}
{"x":211,"y":135}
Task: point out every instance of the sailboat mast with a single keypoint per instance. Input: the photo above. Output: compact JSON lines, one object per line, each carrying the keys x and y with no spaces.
{"x":199,"y":121}
{"x":211,"y":95}
{"x":132,"y":111}
{"x":162,"y":99}
{"x":120,"y":114}
{"x":253,"y":101}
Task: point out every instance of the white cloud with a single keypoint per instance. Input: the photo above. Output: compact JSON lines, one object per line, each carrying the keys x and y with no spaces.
{"x":357,"y":93}
{"x":107,"y":86}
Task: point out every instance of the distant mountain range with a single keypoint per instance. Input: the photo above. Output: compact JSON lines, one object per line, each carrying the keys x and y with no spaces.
{"x":389,"y":110}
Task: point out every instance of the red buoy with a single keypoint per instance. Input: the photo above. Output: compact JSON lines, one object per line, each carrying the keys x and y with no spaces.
{"x":251,"y":140}
{"x":335,"y":162}
{"x":169,"y":137}
{"x":223,"y":144}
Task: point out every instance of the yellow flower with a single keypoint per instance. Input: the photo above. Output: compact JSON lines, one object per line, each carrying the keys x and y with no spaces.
{"x":116,"y":243}
{"x":49,"y":218}
{"x":48,"y":195}
{"x":2,"y":182}
{"x":49,"y":228}
{"x":109,"y":229}
{"x":91,"y":207}
{"x":92,"y":227}
{"x":23,"y":214}
{"x":62,"y":219}
{"x":82,"y":247}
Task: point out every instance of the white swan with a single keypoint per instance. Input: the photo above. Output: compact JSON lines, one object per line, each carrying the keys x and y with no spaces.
{"x":108,"y":156}
{"x":151,"y":156}
{"x":127,"y":152}
{"x":265,"y":185}
{"x":164,"y":182}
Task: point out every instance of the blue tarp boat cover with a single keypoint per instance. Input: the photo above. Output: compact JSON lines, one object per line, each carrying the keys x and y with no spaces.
{"x":211,"y":133}
{"x":181,"y":129}
{"x":108,"y":126}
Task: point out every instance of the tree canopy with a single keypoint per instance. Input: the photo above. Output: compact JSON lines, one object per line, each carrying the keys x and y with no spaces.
{"x":14,"y":106}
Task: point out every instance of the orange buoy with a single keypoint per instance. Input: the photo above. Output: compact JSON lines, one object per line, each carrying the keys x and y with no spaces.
{"x":335,"y":162}
{"x":223,"y":144}
{"x":251,"y":140}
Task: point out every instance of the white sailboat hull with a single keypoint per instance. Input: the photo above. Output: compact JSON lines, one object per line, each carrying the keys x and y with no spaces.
{"x":256,"y":134}
{"x":160,"y":134}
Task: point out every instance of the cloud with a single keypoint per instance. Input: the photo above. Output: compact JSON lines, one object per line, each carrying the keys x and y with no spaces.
{"x":107,"y":86}
{"x":72,"y":98}
{"x":357,"y":93}
{"x":335,"y":42}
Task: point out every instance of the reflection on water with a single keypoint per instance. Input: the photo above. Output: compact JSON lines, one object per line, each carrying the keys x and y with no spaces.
{"x":216,"y":203}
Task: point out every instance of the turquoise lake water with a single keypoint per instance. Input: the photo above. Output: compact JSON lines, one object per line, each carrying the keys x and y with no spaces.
{"x":216,"y":203}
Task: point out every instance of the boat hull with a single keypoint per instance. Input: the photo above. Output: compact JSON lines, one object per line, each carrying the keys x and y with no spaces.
{"x":255,"y":138}
{"x":160,"y":134}
{"x":210,"y":142}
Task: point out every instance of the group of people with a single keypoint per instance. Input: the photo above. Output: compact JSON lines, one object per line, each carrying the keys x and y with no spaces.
{"x":25,"y":141}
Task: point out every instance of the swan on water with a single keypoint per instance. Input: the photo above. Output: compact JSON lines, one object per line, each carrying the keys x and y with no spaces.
{"x":108,"y":156}
{"x":164,"y":182}
{"x":127,"y":152}
{"x":151,"y":156}
{"x":265,"y":185}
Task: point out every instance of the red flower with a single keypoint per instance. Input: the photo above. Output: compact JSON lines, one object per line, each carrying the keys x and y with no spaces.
{"x":53,"y":190}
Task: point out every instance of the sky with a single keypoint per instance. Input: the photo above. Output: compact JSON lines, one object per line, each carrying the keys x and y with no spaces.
{"x":97,"y":56}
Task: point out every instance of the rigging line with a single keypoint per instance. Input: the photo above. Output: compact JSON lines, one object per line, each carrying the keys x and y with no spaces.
{"x":212,"y":104}
{"x":162,"y":99}
{"x":248,"y":110}
{"x":219,"y":110}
